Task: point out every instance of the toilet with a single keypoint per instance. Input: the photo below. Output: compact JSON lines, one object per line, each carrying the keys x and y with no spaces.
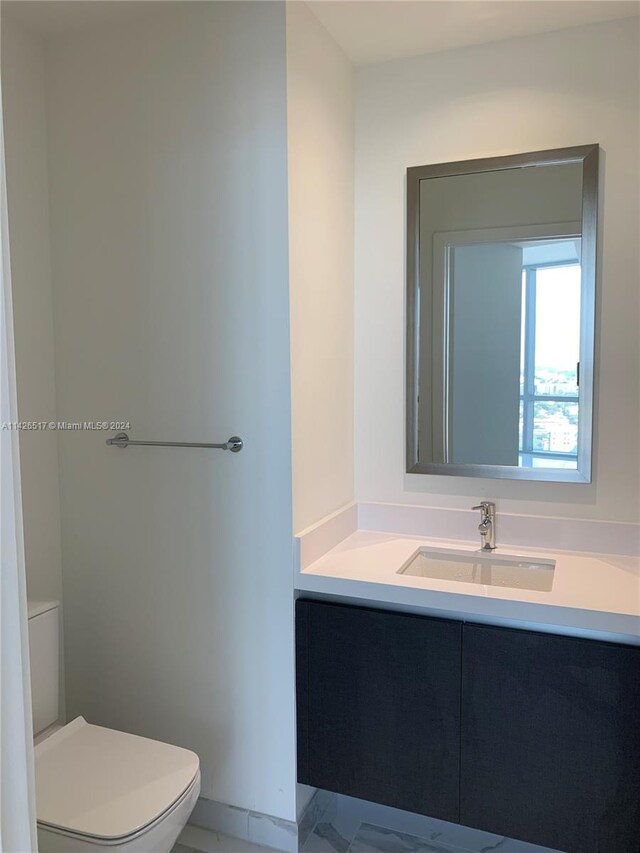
{"x":97,"y":788}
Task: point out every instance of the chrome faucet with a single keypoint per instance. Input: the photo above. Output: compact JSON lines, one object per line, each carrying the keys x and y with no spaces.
{"x":487,"y":526}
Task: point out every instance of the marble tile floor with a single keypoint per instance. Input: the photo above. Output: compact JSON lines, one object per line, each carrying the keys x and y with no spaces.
{"x":354,"y":826}
{"x":378,"y":839}
{"x":193,"y":839}
{"x":326,"y":838}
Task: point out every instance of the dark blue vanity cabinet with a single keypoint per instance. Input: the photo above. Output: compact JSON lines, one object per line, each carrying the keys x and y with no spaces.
{"x":529,"y":735}
{"x":551,"y":739}
{"x":379,"y":706}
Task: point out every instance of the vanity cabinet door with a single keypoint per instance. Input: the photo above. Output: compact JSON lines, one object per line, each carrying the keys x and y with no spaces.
{"x":551,"y":740}
{"x":379,"y":706}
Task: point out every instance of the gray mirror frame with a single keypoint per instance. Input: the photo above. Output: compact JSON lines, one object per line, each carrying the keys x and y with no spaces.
{"x":588,"y":155}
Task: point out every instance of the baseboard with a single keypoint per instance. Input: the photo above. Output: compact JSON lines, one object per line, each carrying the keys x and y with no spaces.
{"x":257,"y":828}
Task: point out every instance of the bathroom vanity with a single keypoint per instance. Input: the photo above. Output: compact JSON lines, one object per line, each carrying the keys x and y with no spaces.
{"x":505,"y":704}
{"x":530,"y":735}
{"x":495,"y":689}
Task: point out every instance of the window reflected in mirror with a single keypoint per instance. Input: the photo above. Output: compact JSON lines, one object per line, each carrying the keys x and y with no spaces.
{"x":550,"y":356}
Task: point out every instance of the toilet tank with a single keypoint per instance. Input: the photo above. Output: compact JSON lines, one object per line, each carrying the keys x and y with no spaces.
{"x":45,"y":662}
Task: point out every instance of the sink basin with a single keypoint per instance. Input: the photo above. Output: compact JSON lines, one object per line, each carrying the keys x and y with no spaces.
{"x":492,"y":569}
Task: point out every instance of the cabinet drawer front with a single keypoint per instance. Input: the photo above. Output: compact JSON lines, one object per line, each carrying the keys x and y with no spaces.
{"x":379,"y":706}
{"x":551,"y":740}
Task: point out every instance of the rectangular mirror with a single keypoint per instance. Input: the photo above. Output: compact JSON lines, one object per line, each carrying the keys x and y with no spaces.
{"x":500,"y":316}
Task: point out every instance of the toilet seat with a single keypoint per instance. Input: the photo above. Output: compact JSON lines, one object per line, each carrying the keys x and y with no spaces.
{"x":158,"y":837}
{"x":108,"y":788}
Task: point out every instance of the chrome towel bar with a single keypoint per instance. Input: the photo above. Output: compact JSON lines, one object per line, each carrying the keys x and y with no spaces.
{"x":121,"y":439}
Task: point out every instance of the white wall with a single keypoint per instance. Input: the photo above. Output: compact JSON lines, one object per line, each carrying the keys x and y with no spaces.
{"x":544,"y":91}
{"x":486,"y":310}
{"x":320,"y":123}
{"x":321,"y":173}
{"x":23,"y":97}
{"x":169,"y":232}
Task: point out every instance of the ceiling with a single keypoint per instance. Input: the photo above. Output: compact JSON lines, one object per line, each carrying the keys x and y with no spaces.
{"x":367,"y":30}
{"x":380,"y":30}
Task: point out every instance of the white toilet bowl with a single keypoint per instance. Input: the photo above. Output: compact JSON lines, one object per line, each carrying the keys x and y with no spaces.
{"x":97,"y":788}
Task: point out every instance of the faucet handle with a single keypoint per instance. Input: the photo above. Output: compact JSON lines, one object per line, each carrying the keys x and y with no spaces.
{"x":486,"y":508}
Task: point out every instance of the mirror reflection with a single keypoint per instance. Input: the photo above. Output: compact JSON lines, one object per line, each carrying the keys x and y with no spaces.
{"x":501,"y":324}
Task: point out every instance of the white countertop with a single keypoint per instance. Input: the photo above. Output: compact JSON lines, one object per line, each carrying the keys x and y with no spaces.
{"x":594,"y":595}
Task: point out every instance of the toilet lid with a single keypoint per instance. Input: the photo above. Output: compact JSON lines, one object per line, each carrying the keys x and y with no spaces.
{"x":107,"y":784}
